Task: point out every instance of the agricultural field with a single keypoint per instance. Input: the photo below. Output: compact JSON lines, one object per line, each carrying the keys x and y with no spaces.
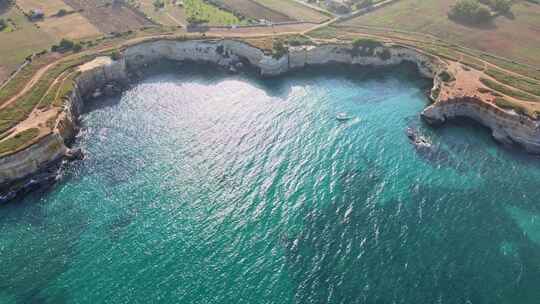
{"x":107,"y":17}
{"x":23,"y":39}
{"x":498,"y":37}
{"x":170,"y":15}
{"x":49,"y":7}
{"x":202,"y":12}
{"x":294,"y":10}
{"x":72,"y":26}
{"x":254,"y":10}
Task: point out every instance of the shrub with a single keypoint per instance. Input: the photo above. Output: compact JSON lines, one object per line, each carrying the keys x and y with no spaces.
{"x":298,"y":40}
{"x":365,"y":47}
{"x":469,"y":11}
{"x":3,"y":24}
{"x":159,"y":4}
{"x":18,"y":140}
{"x":278,"y":49}
{"x":366,"y":42}
{"x":66,"y":45}
{"x":77,"y":47}
{"x":115,"y":55}
{"x":446,"y":76}
{"x":61,"y":12}
{"x":501,"y":6}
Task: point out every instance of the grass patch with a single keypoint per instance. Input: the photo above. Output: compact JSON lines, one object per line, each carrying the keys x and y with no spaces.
{"x":508,"y":91}
{"x":199,"y":11}
{"x":13,"y":114}
{"x":17,"y":141}
{"x":21,"y":79}
{"x":21,"y":40}
{"x":519,"y":108}
{"x":524,"y":84}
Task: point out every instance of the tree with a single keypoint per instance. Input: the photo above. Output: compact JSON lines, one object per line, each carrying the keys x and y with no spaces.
{"x":469,"y":11}
{"x":502,"y":6}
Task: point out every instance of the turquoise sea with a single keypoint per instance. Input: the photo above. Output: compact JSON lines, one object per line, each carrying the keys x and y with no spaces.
{"x":202,"y":187}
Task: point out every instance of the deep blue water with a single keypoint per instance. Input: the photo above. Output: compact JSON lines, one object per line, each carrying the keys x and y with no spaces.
{"x":199,"y":187}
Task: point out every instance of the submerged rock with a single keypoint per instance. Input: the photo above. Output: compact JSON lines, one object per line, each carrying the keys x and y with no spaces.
{"x":75,"y":154}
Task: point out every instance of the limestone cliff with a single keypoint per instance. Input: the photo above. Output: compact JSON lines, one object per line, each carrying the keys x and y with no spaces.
{"x":101,"y":72}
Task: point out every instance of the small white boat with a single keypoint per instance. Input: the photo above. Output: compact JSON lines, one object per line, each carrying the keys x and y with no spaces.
{"x":343,"y":116}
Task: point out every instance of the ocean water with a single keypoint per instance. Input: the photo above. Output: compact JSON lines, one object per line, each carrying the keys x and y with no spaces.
{"x":201,"y":187}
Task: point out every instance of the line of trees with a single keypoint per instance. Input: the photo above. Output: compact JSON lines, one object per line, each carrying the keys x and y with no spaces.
{"x":66,"y":45}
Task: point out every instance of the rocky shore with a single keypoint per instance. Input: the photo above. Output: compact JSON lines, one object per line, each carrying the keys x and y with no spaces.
{"x":105,"y":76}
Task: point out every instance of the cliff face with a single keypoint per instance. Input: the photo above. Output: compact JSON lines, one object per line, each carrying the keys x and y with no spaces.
{"x":53,"y":147}
{"x":506,"y":127}
{"x":97,"y":74}
{"x":225,"y":53}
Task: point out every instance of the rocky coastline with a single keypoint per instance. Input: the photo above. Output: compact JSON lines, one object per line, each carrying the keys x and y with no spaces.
{"x":106,"y":76}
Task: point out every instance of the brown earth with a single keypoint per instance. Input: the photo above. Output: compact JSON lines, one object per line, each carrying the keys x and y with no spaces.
{"x":116,"y":17}
{"x":255,"y":10}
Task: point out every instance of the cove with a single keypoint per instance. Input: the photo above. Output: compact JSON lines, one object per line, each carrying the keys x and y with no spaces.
{"x":232,"y":189}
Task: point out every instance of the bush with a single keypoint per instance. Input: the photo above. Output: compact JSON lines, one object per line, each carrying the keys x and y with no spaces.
{"x":446,"y":76}
{"x":66,"y":45}
{"x":115,"y":55}
{"x":61,"y":12}
{"x":501,"y":6}
{"x":366,"y":42}
{"x":159,"y":4}
{"x":470,"y":11}
{"x":366,"y":47}
{"x":77,"y":47}
{"x":3,"y":24}
{"x":278,"y":49}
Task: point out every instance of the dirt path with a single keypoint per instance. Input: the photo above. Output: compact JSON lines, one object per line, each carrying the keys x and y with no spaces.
{"x":35,"y":78}
{"x":248,"y":32}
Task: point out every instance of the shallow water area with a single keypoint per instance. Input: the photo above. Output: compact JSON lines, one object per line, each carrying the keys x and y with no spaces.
{"x":202,"y":187}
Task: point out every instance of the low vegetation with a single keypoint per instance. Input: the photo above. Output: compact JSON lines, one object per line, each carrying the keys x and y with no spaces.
{"x":518,"y":107}
{"x":507,"y":90}
{"x":198,"y":11}
{"x":522,"y":83}
{"x":279,"y":49}
{"x":66,"y":45}
{"x":158,"y":4}
{"x":3,"y":24}
{"x":17,"y":141}
{"x":446,"y":76}
{"x":366,"y":47}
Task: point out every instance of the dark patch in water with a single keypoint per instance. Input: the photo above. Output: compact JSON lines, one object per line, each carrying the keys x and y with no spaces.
{"x":402,"y":252}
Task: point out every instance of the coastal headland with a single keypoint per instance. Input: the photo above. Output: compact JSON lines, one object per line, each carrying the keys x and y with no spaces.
{"x":40,"y":115}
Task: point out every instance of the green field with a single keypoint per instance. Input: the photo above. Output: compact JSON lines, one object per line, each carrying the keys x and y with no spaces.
{"x":203,"y":11}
